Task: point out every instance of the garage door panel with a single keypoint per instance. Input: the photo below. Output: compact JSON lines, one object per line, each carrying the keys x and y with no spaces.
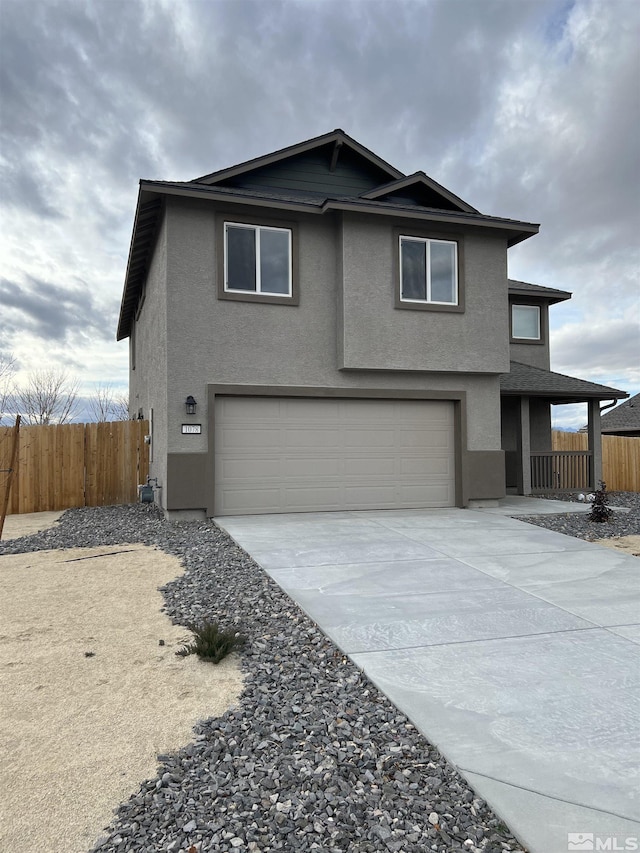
{"x":370,"y":466}
{"x":306,"y":498}
{"x":369,"y":496}
{"x":361,"y":411}
{"x":311,"y":437}
{"x":242,"y":409}
{"x":304,"y":467}
{"x":299,"y":409}
{"x":297,"y":454}
{"x":426,"y":467}
{"x":249,"y":469}
{"x":435,"y":494}
{"x":243,"y":501}
{"x":421,"y":439}
{"x":243,"y":438}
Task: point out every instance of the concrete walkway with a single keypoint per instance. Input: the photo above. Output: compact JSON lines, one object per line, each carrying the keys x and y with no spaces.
{"x":512,"y":648}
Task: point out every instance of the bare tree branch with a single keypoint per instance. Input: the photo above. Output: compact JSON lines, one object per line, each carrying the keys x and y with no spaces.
{"x":121,"y":408}
{"x":49,"y":397}
{"x":105,"y":405}
{"x":7,"y":369}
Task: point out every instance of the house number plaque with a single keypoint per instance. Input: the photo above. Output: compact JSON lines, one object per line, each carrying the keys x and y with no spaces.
{"x":191,"y":429}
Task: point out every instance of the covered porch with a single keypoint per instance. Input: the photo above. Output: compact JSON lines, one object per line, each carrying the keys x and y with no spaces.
{"x":531,"y":465}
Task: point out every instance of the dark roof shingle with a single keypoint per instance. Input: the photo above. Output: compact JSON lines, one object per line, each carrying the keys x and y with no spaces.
{"x":524,"y":288}
{"x":536,"y":382}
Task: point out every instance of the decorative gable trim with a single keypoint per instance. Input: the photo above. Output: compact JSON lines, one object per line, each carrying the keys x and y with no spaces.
{"x":338,"y":137}
{"x":418,"y":180}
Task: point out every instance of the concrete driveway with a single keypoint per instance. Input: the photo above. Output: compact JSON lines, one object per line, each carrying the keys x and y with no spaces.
{"x":512,"y":648}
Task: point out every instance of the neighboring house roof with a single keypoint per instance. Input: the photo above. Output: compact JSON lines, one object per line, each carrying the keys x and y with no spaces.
{"x":309,"y":177}
{"x":549,"y":294}
{"x":624,"y":419}
{"x":526,"y":380}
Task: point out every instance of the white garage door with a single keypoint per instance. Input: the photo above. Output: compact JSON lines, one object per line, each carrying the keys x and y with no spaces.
{"x":296,"y":454}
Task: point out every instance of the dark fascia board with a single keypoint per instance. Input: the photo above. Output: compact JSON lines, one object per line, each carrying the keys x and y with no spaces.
{"x":516,"y":230}
{"x":337,"y":135}
{"x":419,"y":179}
{"x":147,"y":208}
{"x":213,"y":193}
{"x":537,"y":291}
{"x":558,"y":398}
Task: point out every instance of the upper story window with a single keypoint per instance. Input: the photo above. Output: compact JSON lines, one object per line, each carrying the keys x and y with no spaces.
{"x":525,"y":322}
{"x":257,"y":259}
{"x":428,"y":271}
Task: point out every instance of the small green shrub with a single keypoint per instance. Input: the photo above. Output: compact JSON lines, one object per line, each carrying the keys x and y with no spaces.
{"x":600,"y":510}
{"x":210,"y":643}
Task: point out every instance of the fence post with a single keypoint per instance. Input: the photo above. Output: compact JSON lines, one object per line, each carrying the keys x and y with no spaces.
{"x":10,"y":472}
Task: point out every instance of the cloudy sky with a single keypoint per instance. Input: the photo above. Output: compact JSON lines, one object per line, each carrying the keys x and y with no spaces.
{"x":525,"y":108}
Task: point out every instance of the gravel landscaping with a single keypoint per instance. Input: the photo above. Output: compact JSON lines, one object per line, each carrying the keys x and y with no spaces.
{"x":578,"y":524}
{"x":314,"y":757}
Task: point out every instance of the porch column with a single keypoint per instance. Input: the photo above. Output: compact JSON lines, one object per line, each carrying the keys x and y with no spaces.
{"x":595,"y":443}
{"x":524,"y":447}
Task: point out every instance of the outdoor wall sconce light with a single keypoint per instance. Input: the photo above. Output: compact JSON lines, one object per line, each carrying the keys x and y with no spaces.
{"x":190,"y":404}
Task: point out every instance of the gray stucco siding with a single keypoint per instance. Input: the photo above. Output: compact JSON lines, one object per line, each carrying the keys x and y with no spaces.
{"x":376,"y":335}
{"x":212,"y":340}
{"x":536,"y":355}
{"x":148,"y":381}
{"x":217,"y":342}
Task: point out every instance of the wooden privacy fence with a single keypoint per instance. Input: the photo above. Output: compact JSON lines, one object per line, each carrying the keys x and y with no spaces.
{"x":620,"y":457}
{"x":72,"y":465}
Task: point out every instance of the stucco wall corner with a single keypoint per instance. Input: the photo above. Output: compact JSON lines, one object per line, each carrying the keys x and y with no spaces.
{"x":484,"y":475}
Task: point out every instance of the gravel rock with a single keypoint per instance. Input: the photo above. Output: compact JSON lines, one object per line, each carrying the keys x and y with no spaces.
{"x":621,"y":523}
{"x":314,"y":757}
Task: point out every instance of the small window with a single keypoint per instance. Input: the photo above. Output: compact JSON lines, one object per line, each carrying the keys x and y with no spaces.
{"x":428,"y":271}
{"x":257,"y":259}
{"x":525,"y":322}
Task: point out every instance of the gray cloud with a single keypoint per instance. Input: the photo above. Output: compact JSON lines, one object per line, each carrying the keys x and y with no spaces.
{"x":580,"y":348}
{"x":526,"y":109}
{"x":51,"y":311}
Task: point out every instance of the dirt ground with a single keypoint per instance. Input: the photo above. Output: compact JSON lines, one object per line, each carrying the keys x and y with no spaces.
{"x":628,"y":544}
{"x":24,"y":524}
{"x":88,"y":696}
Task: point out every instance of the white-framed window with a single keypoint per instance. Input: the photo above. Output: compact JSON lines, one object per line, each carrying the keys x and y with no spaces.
{"x":428,"y":270}
{"x":257,"y":259}
{"x":525,"y":322}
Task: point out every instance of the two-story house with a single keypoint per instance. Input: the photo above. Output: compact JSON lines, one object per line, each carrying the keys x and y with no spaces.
{"x":314,"y":330}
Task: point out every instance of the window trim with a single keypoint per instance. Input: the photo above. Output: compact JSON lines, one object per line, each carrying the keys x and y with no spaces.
{"x":256,"y":222}
{"x":417,"y":234}
{"x":541,"y":324}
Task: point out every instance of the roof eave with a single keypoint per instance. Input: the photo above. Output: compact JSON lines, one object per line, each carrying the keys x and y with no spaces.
{"x":210,"y":193}
{"x":424,"y":180}
{"x":130,"y":291}
{"x":560,"y":397}
{"x":518,"y":231}
{"x":551,"y":298}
